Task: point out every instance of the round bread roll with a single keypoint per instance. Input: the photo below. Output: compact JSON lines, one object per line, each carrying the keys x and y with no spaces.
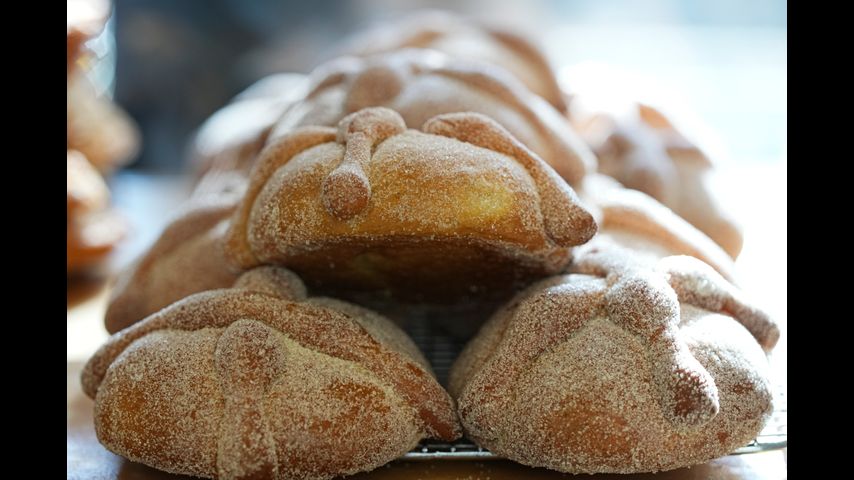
{"x":618,"y":368}
{"x":257,"y":381}
{"x":456,"y":209}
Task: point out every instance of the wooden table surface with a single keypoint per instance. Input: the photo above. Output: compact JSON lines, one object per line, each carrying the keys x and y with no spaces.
{"x":758,"y":193}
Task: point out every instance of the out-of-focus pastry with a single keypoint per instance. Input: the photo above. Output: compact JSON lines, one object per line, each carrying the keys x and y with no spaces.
{"x":618,"y":368}
{"x":458,"y":208}
{"x":420,"y":84}
{"x":99,"y":136}
{"x":633,"y":220}
{"x":187,"y":258}
{"x":233,"y":136}
{"x":90,"y":237}
{"x":84,"y":20}
{"x":468,"y":40}
{"x":85,"y":190}
{"x":257,"y":381}
{"x":92,"y":230}
{"x":644,"y":151}
{"x":97,"y":127}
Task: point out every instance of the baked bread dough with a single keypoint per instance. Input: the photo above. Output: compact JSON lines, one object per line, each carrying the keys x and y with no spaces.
{"x":97,"y":127}
{"x":257,"y":381}
{"x":618,"y":368}
{"x":643,"y":150}
{"x":420,"y":84}
{"x":84,"y":20}
{"x":458,"y":208}
{"x":633,"y":220}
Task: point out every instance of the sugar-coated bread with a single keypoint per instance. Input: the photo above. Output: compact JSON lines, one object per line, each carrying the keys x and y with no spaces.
{"x":257,"y":381}
{"x":420,"y":84}
{"x":644,"y":151}
{"x":633,"y":220}
{"x":618,"y":368}
{"x":187,"y":258}
{"x":458,"y":207}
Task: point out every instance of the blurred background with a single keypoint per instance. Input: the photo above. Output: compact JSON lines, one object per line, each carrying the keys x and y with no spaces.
{"x":718,"y":65}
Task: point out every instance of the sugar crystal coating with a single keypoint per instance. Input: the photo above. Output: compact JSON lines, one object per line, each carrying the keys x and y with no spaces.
{"x":258,"y":381}
{"x":618,"y":367}
{"x":460,"y":206}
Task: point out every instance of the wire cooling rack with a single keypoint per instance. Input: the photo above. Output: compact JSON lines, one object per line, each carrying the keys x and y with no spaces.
{"x":441,"y":349}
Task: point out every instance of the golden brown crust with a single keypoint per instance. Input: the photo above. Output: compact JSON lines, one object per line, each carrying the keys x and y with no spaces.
{"x":273,"y":157}
{"x":375,"y":323}
{"x":565,"y":221}
{"x":420,"y":84}
{"x":467,"y":40}
{"x":239,"y":382}
{"x":699,"y":285}
{"x":380,"y":202}
{"x":187,"y":258}
{"x":644,"y":151}
{"x":619,"y":369}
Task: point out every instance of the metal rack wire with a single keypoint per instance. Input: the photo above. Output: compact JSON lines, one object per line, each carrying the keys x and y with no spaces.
{"x":441,"y":349}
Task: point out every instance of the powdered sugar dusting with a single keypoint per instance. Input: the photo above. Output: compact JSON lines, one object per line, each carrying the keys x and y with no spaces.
{"x":463,"y":213}
{"x":468,"y":41}
{"x":187,"y":258}
{"x":644,"y":151}
{"x":610,"y":371}
{"x":696,"y":283}
{"x":633,"y":220}
{"x":420,"y":84}
{"x":268,"y":387}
